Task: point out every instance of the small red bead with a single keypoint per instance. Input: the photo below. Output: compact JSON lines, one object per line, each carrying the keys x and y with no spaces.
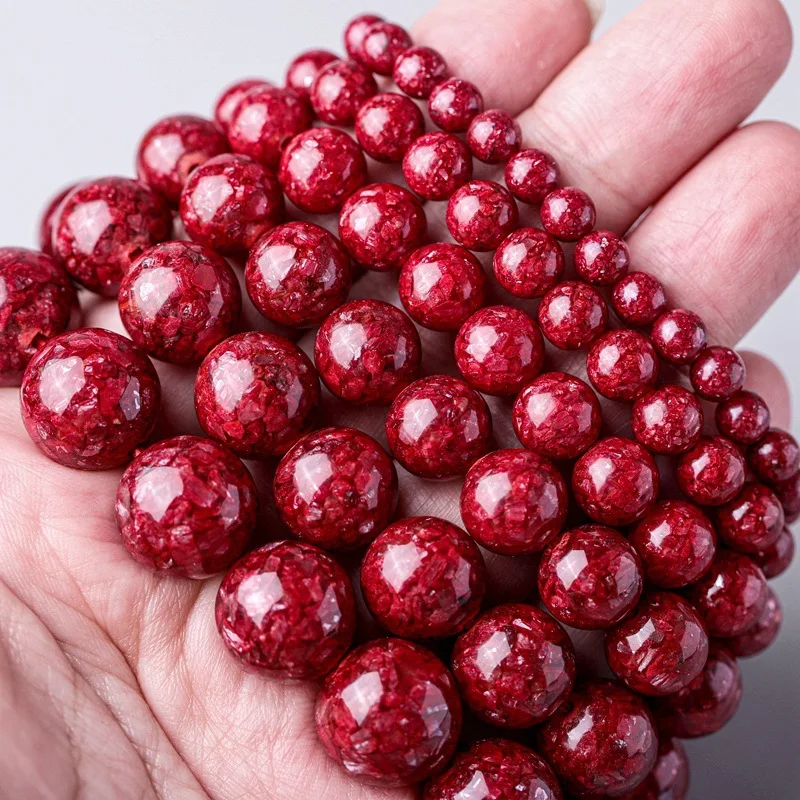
{"x":668,"y":420}
{"x":303,"y":70}
{"x":531,"y":175}
{"x":418,"y":70}
{"x":752,"y":521}
{"x":679,"y":336}
{"x":622,"y":365}
{"x":788,"y":493}
{"x":436,"y":165}
{"x":367,"y":351}
{"x":354,"y":34}
{"x":762,"y":633}
{"x":776,"y":456}
{"x":602,"y":258}
{"x":669,"y":778}
{"x":481,"y":214}
{"x":572,"y":315}
{"x":712,"y":472}
{"x":230,"y":97}
{"x":453,"y":103}
{"x":49,"y":219}
{"x":717,"y":373}
{"x":568,"y":214}
{"x":775,"y":560}
{"x":381,"y":45}
{"x":387,"y":125}
{"x":339,"y":90}
{"x":494,"y":136}
{"x":638,"y":299}
{"x":528,"y":263}
{"x":743,"y":418}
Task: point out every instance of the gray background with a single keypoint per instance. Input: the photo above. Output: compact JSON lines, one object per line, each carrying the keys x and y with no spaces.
{"x":80,"y":80}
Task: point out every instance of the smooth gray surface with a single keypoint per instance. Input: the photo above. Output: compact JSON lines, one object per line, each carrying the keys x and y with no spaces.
{"x":80,"y":80}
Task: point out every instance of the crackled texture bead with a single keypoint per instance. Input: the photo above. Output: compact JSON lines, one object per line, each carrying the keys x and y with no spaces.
{"x":367,"y":351}
{"x":494,"y":136}
{"x":381,"y":224}
{"x":788,"y":493}
{"x":382,"y":43}
{"x":49,"y":217}
{"x":387,"y":125}
{"x":775,"y":560}
{"x":731,"y":595}
{"x":172,"y":148}
{"x":602,"y":741}
{"x":418,"y":70}
{"x":481,"y":214}
{"x":717,"y":373}
{"x":568,"y":214}
{"x":89,"y":398}
{"x":37,"y":302}
{"x":528,"y":263}
{"x":776,"y":456}
{"x":616,"y":482}
{"x":762,"y":633}
{"x":752,"y":521}
{"x":602,"y":258}
{"x":590,"y":577}
{"x":287,"y":610}
{"x":229,"y":202}
{"x":497,"y":769}
{"x":339,"y":90}
{"x":669,"y":778}
{"x":423,"y":578}
{"x":499,"y":350}
{"x":257,"y":393}
{"x":514,"y":666}
{"x":707,"y":703}
{"x":513,"y":502}
{"x":438,"y":427}
{"x":320,"y":169}
{"x":659,"y":650}
{"x":531,"y":175}
{"x":264,"y":120}
{"x":436,"y":164}
{"x":230,"y":97}
{"x":743,"y":418}
{"x":676,"y":542}
{"x":354,"y":34}
{"x":557,"y":416}
{"x":668,"y":420}
{"x":297,"y":274}
{"x":712,"y":472}
{"x":390,"y":714}
{"x":186,"y":506}
{"x":678,"y":336}
{"x":453,"y":103}
{"x":639,"y":299}
{"x":336,"y":488}
{"x":622,"y":365}
{"x":441,"y":285}
{"x":572,"y":315}
{"x":103,"y":226}
{"x":303,"y":70}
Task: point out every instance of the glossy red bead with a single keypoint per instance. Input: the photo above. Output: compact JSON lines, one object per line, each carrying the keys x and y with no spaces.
{"x":387,"y":125}
{"x":436,"y":164}
{"x":572,"y":315}
{"x":752,"y":521}
{"x":480,"y":214}
{"x":531,"y":175}
{"x":669,"y":778}
{"x":230,"y":97}
{"x":622,"y":365}
{"x":601,"y":258}
{"x":712,"y":472}
{"x":453,"y":103}
{"x":186,"y":506}
{"x":668,"y":420}
{"x":49,"y":218}
{"x":303,"y":70}
{"x":678,"y":336}
{"x":788,"y":493}
{"x":494,"y":136}
{"x":381,"y":44}
{"x":418,"y":70}
{"x":775,"y":560}
{"x":762,"y":633}
{"x":638,"y":299}
{"x":528,"y":263}
{"x":717,"y":373}
{"x":339,"y":90}
{"x":287,"y":610}
{"x":354,"y":34}
{"x":776,"y":456}
{"x":568,"y":214}
{"x":743,"y":418}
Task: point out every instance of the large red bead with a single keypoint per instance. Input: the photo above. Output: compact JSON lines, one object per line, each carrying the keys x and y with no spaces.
{"x":775,"y":457}
{"x":638,"y":299}
{"x":387,"y":125}
{"x":762,"y":633}
{"x":528,"y":263}
{"x":717,"y":373}
{"x":572,"y":315}
{"x":382,"y":44}
{"x":712,"y":472}
{"x":752,"y":521}
{"x":531,"y":175}
{"x":436,"y":165}
{"x":743,"y":418}
{"x":775,"y":560}
{"x":304,"y":68}
{"x":339,"y":90}
{"x":418,"y":70}
{"x":480,"y":214}
{"x":622,"y":365}
{"x":453,"y":103}
{"x":568,"y":214}
{"x":601,"y":258}
{"x":678,"y":336}
{"x":494,"y":136}
{"x":668,"y":420}
{"x":230,"y":97}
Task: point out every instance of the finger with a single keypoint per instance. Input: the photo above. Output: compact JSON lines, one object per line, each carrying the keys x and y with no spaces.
{"x":646,"y":101}
{"x":765,"y":377}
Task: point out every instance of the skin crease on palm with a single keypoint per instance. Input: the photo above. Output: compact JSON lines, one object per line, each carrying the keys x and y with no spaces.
{"x":113,"y":682}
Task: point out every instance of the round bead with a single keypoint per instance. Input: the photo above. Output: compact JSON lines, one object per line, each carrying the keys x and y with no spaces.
{"x":304,"y":68}
{"x":638,"y":299}
{"x":531,"y":175}
{"x":752,"y":521}
{"x":717,"y":373}
{"x":775,"y":560}
{"x":354,"y":34}
{"x":481,"y":214}
{"x":602,"y":258}
{"x":453,"y":103}
{"x":320,"y":169}
{"x":622,"y":365}
{"x":438,"y":427}
{"x":661,"y":648}
{"x":339,"y":90}
{"x":528,"y":263}
{"x":762,"y":633}
{"x":788,"y":493}
{"x":186,"y":506}
{"x":669,"y":778}
{"x":568,"y":214}
{"x":743,"y":418}
{"x":436,"y":164}
{"x":387,"y":125}
{"x":712,"y":472}
{"x":89,"y":398}
{"x":257,"y":393}
{"x":572,"y":315}
{"x":494,"y":136}
{"x":287,"y":610}
{"x":590,"y":577}
{"x":297,"y":274}
{"x":124,"y":218}
{"x":499,"y":350}
{"x":776,"y":456}
{"x":230,"y":97}
{"x":602,"y":741}
{"x":382,"y":43}
{"x":367,"y":351}
{"x":668,"y":420}
{"x":49,"y":219}
{"x":37,"y":302}
{"x":418,"y":70}
{"x":557,"y":416}
{"x":390,"y":714}
{"x":679,"y":336}
{"x":441,"y":285}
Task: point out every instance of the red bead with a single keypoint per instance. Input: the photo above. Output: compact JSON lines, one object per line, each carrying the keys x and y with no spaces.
{"x":381,"y":224}
{"x":354,"y":34}
{"x":572,"y":315}
{"x":743,"y":418}
{"x":731,"y":595}
{"x":390,"y":714}
{"x":679,"y":336}
{"x":339,"y":90}
{"x":639,"y":299}
{"x":382,"y":43}
{"x":590,"y":577}
{"x":481,"y":214}
{"x":668,"y":420}
{"x":602,"y":258}
{"x":304,"y":68}
{"x":186,"y":506}
{"x":320,"y":169}
{"x":336,"y":488}
{"x":762,"y":633}
{"x":172,"y":148}
{"x":788,"y":493}
{"x":531,"y":175}
{"x":528,"y":263}
{"x":423,"y":578}
{"x":441,"y":285}
{"x":494,"y":136}
{"x":37,"y":302}
{"x":752,"y":521}
{"x":602,"y":741}
{"x":712,"y":472}
{"x":707,"y":703}
{"x":438,"y":427}
{"x":775,"y":560}
{"x":622,"y":365}
{"x":418,"y":70}
{"x":676,"y":542}
{"x":287,"y":610}
{"x":49,"y":219}
{"x":436,"y":165}
{"x":717,"y":373}
{"x":616,"y":482}
{"x":557,"y":416}
{"x":367,"y":351}
{"x":178,"y":300}
{"x":264,"y":121}
{"x":776,"y":456}
{"x":661,"y":648}
{"x":669,"y":778}
{"x":387,"y":125}
{"x":89,"y":398}
{"x":453,"y":103}
{"x":499,"y":350}
{"x":513,"y":502}
{"x":568,"y":214}
{"x":297,"y":274}
{"x":103,"y":226}
{"x":257,"y":393}
{"x":229,"y":99}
